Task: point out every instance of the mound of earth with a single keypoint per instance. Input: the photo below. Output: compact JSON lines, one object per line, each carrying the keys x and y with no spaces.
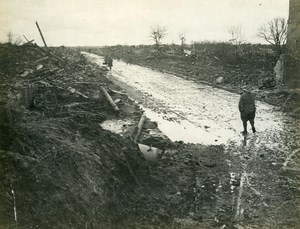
{"x":58,"y":167}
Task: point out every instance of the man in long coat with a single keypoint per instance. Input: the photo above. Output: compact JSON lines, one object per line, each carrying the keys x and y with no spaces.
{"x":247,"y":109}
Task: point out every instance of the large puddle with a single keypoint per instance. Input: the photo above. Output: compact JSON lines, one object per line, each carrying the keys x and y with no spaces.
{"x":188,"y":111}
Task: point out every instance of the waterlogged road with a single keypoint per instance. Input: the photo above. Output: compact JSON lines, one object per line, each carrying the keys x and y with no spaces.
{"x":266,"y":163}
{"x":189,"y":111}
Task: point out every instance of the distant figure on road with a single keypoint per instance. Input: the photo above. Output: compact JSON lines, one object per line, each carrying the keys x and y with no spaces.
{"x":108,"y":61}
{"x":247,"y":109}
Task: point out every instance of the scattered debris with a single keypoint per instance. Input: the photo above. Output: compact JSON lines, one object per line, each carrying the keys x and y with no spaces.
{"x":39,"y":67}
{"x":140,"y":127}
{"x":110,"y":100}
{"x":220,"y":80}
{"x":150,"y":153}
{"x":24,"y":74}
{"x":67,"y":171}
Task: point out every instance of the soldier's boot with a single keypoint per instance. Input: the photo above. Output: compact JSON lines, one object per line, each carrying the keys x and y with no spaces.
{"x":252,"y":125}
{"x":245,"y":127}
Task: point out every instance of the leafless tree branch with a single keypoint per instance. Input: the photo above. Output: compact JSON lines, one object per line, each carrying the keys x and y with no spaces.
{"x":158,"y":33}
{"x":275,"y":33}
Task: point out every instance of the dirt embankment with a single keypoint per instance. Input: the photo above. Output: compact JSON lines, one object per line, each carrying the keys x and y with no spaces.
{"x":60,"y":169}
{"x":218,"y":64}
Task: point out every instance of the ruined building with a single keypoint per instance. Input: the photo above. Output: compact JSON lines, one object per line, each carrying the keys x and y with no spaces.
{"x":292,"y":65}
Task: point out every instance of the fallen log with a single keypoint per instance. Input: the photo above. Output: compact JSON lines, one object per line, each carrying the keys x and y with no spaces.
{"x":105,"y":93}
{"x":140,"y":127}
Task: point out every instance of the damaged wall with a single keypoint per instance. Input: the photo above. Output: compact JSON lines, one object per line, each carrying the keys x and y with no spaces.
{"x":292,"y":66}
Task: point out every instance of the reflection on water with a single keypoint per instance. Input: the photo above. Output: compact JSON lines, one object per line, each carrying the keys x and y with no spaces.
{"x":187,"y":111}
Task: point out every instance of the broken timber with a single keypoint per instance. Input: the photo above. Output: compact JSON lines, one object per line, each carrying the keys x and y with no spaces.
{"x":105,"y":93}
{"x":28,"y":41}
{"x":140,"y":127}
{"x":239,"y":210}
{"x":117,"y":92}
{"x":51,"y":54}
{"x":37,"y":25}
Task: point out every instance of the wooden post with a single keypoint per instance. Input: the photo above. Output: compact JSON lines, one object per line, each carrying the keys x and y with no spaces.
{"x":41,"y":34}
{"x":28,"y":41}
{"x":140,"y":127}
{"x":115,"y":107}
{"x":26,"y":38}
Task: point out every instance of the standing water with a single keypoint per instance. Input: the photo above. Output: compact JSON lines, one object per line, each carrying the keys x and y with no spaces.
{"x":196,"y":113}
{"x":185,"y":110}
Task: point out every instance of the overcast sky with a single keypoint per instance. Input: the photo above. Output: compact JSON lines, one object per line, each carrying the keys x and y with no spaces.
{"x":110,"y":22}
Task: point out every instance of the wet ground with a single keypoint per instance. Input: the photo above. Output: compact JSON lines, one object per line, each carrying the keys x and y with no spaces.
{"x":263,"y":168}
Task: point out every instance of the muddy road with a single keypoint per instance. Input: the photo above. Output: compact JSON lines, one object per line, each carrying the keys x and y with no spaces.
{"x":191,"y":112}
{"x":265,"y":165}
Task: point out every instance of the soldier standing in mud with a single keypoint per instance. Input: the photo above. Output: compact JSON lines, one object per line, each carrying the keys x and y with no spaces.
{"x":247,"y":109}
{"x":108,"y":60}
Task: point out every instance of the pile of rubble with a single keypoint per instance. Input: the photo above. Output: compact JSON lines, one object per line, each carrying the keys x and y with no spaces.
{"x":57,"y":165}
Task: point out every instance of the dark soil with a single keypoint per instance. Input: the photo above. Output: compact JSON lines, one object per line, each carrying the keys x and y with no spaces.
{"x":64,"y":170}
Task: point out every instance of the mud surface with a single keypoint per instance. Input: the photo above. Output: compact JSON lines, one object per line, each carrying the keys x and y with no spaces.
{"x":68,"y":160}
{"x":263,"y":168}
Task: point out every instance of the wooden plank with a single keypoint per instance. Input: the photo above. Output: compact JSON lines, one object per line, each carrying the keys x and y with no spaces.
{"x":37,"y":25}
{"x":239,"y":211}
{"x":107,"y":96}
{"x":25,"y":38}
{"x":140,"y":127}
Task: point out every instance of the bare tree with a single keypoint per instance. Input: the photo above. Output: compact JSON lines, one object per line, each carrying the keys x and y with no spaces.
{"x":10,"y":37}
{"x":182,"y":39}
{"x":158,"y":33}
{"x":275,"y":33}
{"x":236,"y":35}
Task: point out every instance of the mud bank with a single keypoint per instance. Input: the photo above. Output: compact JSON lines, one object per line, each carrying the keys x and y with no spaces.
{"x":58,"y":167}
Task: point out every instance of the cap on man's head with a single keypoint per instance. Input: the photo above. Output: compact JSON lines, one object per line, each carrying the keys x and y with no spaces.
{"x":245,"y":88}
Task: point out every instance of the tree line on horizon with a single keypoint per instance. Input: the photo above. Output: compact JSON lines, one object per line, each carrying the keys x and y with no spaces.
{"x":274,"y":32}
